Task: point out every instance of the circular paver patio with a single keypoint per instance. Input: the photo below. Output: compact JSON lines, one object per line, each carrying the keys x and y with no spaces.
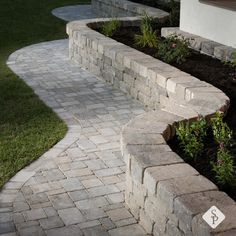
{"x":77,"y":187}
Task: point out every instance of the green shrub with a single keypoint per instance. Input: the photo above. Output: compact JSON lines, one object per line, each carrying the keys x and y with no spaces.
{"x":232,"y":65}
{"x":224,"y":168}
{"x":148,"y":36}
{"x":221,"y":131}
{"x":191,"y":137}
{"x":174,"y":49}
{"x":109,"y":28}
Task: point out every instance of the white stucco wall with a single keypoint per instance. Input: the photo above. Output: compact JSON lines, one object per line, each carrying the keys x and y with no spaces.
{"x":214,"y":23}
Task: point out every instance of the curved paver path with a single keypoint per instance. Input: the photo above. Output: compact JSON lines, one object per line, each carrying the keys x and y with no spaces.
{"x":77,"y":187}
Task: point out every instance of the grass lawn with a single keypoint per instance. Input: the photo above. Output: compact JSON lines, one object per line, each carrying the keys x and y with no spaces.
{"x":27,"y":126}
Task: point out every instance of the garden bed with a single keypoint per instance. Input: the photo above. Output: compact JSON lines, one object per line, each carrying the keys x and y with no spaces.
{"x":206,"y":69}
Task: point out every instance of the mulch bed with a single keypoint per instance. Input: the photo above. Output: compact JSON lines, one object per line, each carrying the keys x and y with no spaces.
{"x":212,"y":71}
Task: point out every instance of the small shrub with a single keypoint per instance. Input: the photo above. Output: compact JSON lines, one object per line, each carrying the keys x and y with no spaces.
{"x":109,"y":28}
{"x":224,"y":168}
{"x":221,"y":131}
{"x":174,"y":49}
{"x":191,"y":137}
{"x":232,"y":65}
{"x":148,"y":36}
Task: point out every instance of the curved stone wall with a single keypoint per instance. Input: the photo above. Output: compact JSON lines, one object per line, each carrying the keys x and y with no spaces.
{"x":115,"y":8}
{"x":166,"y":195}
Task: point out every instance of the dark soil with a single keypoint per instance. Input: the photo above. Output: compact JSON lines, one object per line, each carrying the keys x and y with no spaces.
{"x":212,"y":71}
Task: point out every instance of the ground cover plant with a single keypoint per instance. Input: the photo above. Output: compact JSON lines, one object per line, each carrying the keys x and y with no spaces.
{"x":27,"y":127}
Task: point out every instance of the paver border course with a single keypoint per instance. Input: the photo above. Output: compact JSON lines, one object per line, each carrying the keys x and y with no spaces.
{"x":166,"y":195}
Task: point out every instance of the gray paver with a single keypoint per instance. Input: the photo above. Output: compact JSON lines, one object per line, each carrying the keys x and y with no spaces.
{"x":134,"y":230}
{"x":51,"y":222}
{"x":61,"y":201}
{"x":71,"y":216}
{"x":34,"y":214}
{"x":72,"y":230}
{"x":95,"y":231}
{"x":6,"y":227}
{"x":33,"y":230}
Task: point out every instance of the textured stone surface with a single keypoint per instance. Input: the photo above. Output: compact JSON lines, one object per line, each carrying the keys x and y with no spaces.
{"x":206,"y":46}
{"x":80,"y":167}
{"x":76,"y":188}
{"x":155,"y":174}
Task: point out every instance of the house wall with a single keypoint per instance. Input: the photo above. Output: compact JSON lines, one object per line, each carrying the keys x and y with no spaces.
{"x":211,"y":22}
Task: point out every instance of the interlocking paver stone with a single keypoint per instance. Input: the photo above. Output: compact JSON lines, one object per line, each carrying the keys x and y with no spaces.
{"x":94,"y":213}
{"x":61,"y":201}
{"x":119,"y":214}
{"x":134,"y":230}
{"x":78,"y":195}
{"x":85,"y":170}
{"x":7,"y":227}
{"x":51,"y":222}
{"x":71,"y":184}
{"x":34,"y":214}
{"x":33,"y":230}
{"x":89,"y":183}
{"x":95,"y":231}
{"x":71,"y":216}
{"x":71,"y":230}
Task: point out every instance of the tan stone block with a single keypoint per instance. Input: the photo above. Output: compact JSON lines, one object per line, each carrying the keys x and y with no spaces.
{"x":153,"y":175}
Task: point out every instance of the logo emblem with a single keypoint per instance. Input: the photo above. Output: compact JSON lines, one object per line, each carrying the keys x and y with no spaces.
{"x":213,"y":217}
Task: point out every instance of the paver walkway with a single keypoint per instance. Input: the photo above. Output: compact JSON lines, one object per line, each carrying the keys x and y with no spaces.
{"x":77,"y":187}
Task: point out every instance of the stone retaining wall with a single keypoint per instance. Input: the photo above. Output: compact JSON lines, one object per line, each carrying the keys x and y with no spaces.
{"x":166,"y":195}
{"x":205,"y":46}
{"x":114,"y":8}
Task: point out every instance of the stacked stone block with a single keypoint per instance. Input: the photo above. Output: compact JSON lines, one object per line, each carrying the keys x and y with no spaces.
{"x":167,"y":196}
{"x":205,"y":46}
{"x":114,"y":8}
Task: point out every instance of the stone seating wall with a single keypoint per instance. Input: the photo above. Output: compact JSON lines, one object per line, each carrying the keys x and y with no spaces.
{"x":166,"y":195}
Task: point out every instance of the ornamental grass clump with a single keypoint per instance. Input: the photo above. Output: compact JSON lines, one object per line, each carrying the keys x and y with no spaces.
{"x":109,"y":28}
{"x":174,"y":49}
{"x":148,"y":36}
{"x":224,"y":165}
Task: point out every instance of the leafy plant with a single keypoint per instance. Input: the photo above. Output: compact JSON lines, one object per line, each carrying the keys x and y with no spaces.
{"x":232,"y":64}
{"x":109,"y":28}
{"x":174,"y":49}
{"x":224,"y":168}
{"x":221,"y":131}
{"x":191,"y":137}
{"x":148,"y":36}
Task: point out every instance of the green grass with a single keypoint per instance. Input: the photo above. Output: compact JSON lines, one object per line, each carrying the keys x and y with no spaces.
{"x":27,"y":126}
